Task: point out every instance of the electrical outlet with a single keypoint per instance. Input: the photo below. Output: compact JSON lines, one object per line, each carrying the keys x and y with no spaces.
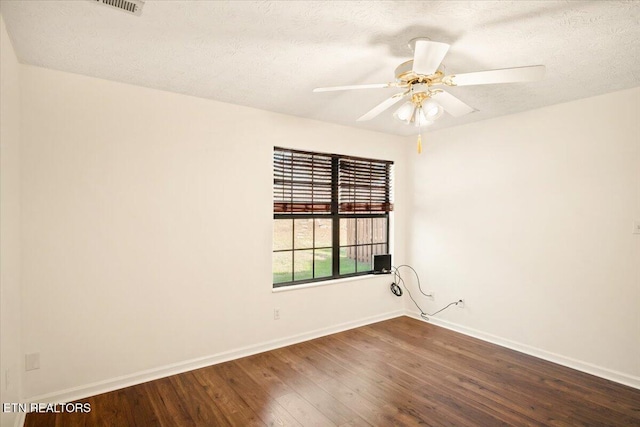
{"x":31,"y":361}
{"x":276,"y":314}
{"x":460,"y":303}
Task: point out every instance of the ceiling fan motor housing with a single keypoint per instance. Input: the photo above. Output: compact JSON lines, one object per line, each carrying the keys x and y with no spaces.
{"x":406,"y":76}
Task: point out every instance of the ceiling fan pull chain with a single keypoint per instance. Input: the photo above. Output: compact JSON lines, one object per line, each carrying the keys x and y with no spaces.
{"x":419,"y":143}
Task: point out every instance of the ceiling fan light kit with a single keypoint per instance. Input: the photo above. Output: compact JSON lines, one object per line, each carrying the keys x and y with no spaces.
{"x":418,"y":76}
{"x":418,"y":113}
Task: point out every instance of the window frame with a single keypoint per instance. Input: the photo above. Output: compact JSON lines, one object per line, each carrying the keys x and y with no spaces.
{"x":336,"y":216}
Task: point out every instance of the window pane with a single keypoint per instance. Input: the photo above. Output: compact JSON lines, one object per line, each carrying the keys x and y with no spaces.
{"x":364,"y":230}
{"x":323,"y":263}
{"x":303,"y":229}
{"x":379,"y":230}
{"x":323,"y":233}
{"x":282,"y":267}
{"x":348,"y":260}
{"x":347,"y":231}
{"x":302,"y":265}
{"x":282,"y":234}
{"x":364,"y":258}
{"x":379,"y":249}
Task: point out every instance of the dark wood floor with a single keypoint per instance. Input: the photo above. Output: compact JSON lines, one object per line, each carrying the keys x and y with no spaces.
{"x":397,"y":372}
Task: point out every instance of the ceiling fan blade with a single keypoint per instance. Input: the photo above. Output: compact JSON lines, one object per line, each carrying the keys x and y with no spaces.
{"x":428,"y":55}
{"x":505,"y":75}
{"x":370,"y":86}
{"x":387,"y":103}
{"x":452,"y":105}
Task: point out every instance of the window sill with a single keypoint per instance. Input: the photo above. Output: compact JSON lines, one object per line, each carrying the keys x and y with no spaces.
{"x":325,"y":283}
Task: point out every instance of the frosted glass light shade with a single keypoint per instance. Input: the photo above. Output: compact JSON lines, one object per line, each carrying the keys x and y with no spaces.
{"x":421,"y":119}
{"x":432,"y":109}
{"x":405,"y":112}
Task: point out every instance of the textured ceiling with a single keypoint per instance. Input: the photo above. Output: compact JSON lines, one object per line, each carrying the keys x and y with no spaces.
{"x":270,"y":55}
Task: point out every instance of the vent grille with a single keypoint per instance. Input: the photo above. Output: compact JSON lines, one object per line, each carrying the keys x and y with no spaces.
{"x":130,"y":6}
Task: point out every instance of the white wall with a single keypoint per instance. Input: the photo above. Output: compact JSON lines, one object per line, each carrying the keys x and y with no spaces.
{"x":147,"y":230}
{"x":146,"y":221}
{"x":10,"y":358}
{"x":529,"y":218}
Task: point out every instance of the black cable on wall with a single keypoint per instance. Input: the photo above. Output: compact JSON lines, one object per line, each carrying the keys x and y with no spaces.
{"x":398,"y":284}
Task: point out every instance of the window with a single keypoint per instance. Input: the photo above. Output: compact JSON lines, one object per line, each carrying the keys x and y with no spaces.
{"x":331,"y":215}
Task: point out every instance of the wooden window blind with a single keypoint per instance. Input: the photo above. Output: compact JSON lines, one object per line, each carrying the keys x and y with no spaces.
{"x":301,"y":181}
{"x":364,"y":185}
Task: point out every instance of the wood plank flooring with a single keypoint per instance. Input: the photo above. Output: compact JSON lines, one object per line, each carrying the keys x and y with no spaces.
{"x":398,"y":372}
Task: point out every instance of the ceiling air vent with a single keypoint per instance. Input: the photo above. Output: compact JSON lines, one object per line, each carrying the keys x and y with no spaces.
{"x":130,"y":6}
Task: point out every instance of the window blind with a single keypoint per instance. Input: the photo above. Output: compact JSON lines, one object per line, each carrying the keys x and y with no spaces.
{"x":364,"y":185}
{"x":301,"y":181}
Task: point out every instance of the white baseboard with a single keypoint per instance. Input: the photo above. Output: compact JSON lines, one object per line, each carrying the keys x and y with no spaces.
{"x":619,"y":377}
{"x":112,"y":384}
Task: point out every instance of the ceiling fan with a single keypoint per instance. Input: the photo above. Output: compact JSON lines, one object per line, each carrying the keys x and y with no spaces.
{"x":420,"y":79}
